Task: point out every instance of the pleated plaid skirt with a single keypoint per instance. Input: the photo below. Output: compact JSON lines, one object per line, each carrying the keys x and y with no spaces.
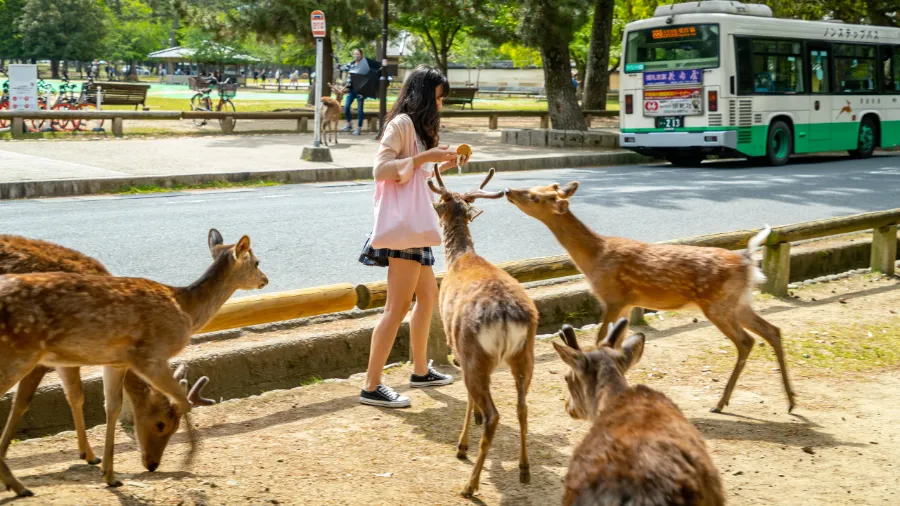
{"x":379,"y":257}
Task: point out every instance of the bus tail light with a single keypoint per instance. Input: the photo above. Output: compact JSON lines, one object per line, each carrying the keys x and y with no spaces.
{"x":713,"y":101}
{"x":629,"y":104}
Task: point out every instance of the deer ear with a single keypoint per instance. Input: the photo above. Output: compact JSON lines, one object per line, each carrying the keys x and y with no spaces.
{"x":573,"y":358}
{"x":615,"y":333}
{"x":568,"y":190}
{"x":242,"y":247}
{"x":632,"y":351}
{"x":214,"y":239}
{"x":473,"y":213}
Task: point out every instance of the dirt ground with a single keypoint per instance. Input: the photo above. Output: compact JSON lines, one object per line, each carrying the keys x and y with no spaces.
{"x":317,"y":445}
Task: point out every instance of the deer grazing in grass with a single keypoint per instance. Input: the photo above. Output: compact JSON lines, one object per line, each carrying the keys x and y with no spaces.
{"x":155,"y":419}
{"x":331,"y":114}
{"x":74,"y":320}
{"x":624,"y":273}
{"x":488,"y":319}
{"x":640,"y":449}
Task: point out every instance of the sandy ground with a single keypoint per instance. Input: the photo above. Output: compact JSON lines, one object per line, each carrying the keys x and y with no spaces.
{"x":317,"y":445}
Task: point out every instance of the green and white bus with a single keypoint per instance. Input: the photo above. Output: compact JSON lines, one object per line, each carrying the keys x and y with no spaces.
{"x":719,"y":77}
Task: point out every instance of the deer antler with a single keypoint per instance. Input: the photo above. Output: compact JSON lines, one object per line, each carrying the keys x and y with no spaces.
{"x":196,"y":393}
{"x":567,"y":334}
{"x":487,"y":179}
{"x":480,"y":193}
{"x":440,"y":189}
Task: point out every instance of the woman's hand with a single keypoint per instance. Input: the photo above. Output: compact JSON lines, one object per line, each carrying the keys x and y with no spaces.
{"x":444,"y":167}
{"x":437,"y":154}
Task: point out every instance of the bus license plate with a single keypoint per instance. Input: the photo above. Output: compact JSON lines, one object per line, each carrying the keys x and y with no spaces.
{"x":670,"y":122}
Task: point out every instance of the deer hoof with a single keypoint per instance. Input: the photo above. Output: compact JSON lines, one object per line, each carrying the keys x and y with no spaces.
{"x":467,"y":491}
{"x":95,"y":461}
{"x":716,"y":409}
{"x":114,"y":484}
{"x":25,"y":493}
{"x":524,"y":475}
{"x":461,"y":452}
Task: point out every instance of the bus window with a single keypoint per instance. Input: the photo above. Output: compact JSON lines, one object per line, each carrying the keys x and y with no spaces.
{"x":886,"y":64}
{"x":671,"y":48}
{"x":819,"y":71}
{"x":772,"y":66}
{"x":896,"y":68}
{"x":855,"y":68}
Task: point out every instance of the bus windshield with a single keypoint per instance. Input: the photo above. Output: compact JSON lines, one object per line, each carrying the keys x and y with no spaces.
{"x":672,"y":47}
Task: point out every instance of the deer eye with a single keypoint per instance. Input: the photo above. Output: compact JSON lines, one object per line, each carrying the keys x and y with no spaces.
{"x":257,"y":264}
{"x":535,"y":198}
{"x":160,"y":426}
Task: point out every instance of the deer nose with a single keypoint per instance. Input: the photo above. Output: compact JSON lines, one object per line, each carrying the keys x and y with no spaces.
{"x":152,"y":467}
{"x":506,"y":191}
{"x":265,"y":281}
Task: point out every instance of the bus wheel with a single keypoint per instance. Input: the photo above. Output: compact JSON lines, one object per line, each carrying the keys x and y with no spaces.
{"x":685,"y":160}
{"x":866,"y":142}
{"x":780,"y":144}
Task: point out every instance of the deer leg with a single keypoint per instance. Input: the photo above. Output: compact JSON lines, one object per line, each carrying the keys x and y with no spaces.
{"x":24,"y":393}
{"x":113,"y":381}
{"x":612,"y":311}
{"x":71,"y":382}
{"x":522,"y":369}
{"x":463,"y":445}
{"x":479,"y":418}
{"x":728,"y":324}
{"x":478,"y":384}
{"x":772,"y":334}
{"x":14,"y":369}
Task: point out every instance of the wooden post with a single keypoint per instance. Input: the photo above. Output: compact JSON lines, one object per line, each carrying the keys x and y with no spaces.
{"x":636,"y":315}
{"x":117,"y":127}
{"x":777,"y":268}
{"x":545,"y":121}
{"x":303,"y":125}
{"x":373,"y":125}
{"x":492,"y":122}
{"x":18,"y":128}
{"x":227,"y":125}
{"x":884,"y":249}
{"x":587,"y":120}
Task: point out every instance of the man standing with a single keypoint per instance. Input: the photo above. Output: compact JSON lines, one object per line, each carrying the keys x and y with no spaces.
{"x":359,"y":66}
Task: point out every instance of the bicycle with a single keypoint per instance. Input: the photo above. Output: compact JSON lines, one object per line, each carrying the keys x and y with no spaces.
{"x":65,"y":100}
{"x":4,"y":100}
{"x":44,"y":90}
{"x":83,"y":104}
{"x":202,"y":100}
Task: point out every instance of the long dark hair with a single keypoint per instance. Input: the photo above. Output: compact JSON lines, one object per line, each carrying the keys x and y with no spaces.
{"x":418,"y":100}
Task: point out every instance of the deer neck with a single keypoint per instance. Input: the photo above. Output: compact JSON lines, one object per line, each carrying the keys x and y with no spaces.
{"x":582,"y":243}
{"x":608,"y":397}
{"x":202,"y":299}
{"x":457,"y":239}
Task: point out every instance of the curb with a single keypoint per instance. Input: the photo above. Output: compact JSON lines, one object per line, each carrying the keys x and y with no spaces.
{"x":76,"y":187}
{"x":286,"y":362}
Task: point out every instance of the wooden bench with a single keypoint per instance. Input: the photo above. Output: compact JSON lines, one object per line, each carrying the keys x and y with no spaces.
{"x":461,"y":96}
{"x":118,"y":94}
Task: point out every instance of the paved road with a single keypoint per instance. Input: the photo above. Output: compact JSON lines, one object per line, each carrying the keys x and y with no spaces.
{"x":309,"y":235}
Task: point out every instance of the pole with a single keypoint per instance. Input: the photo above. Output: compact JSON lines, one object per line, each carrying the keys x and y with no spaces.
{"x":318,"y":84}
{"x":382,"y":112}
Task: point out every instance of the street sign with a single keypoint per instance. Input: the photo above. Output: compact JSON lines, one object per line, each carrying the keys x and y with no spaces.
{"x":23,"y":87}
{"x":317,"y":18}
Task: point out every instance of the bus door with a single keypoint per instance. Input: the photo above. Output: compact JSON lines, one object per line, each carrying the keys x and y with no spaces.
{"x":820,"y":98}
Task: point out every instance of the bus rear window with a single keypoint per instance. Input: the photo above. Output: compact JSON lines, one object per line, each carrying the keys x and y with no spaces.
{"x":672,"y":47}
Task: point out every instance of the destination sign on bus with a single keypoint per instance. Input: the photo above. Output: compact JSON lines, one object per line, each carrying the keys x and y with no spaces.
{"x":688,"y":76}
{"x":675,"y":33}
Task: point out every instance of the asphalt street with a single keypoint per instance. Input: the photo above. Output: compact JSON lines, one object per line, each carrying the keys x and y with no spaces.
{"x":310,"y":235}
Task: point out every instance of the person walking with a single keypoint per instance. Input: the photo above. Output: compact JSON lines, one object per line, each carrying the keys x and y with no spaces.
{"x":359,"y":65}
{"x":406,"y":227}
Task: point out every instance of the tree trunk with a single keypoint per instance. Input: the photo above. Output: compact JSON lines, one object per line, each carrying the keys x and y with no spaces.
{"x":132,"y":71}
{"x":54,"y":68}
{"x":561,"y":100}
{"x":596,"y":82}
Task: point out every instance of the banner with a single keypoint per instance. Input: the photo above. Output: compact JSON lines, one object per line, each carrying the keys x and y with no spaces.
{"x":23,"y":87}
{"x":680,"y":102}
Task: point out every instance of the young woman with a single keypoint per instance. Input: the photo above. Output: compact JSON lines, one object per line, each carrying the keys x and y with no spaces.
{"x":353,"y":95}
{"x":409,"y":148}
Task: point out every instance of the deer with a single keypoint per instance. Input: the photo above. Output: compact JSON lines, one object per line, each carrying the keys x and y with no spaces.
{"x":155,"y":421}
{"x":488,"y":319}
{"x":331,"y":114}
{"x":640,"y":449}
{"x":624,"y":273}
{"x":63,"y":319}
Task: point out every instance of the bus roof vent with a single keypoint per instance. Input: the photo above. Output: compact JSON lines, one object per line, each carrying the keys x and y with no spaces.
{"x":714,"y":7}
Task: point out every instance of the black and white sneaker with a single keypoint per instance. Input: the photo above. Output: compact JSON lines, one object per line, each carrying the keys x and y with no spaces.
{"x":431,"y":379}
{"x":383,"y":396}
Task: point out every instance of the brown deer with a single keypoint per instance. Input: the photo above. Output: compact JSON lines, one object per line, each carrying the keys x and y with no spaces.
{"x":331,"y":114}
{"x":74,"y":320}
{"x":624,"y":273}
{"x":640,"y":449}
{"x":488,"y":319}
{"x":155,"y":419}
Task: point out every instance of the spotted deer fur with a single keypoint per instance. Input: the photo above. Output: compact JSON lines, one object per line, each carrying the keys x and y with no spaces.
{"x":624,"y":273}
{"x":488,"y":319}
{"x":155,"y":420}
{"x":640,"y":449}
{"x":72,"y":320}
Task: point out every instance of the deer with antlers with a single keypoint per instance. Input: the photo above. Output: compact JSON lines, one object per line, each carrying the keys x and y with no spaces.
{"x":331,"y":114}
{"x":488,"y":319}
{"x":640,"y":449}
{"x":74,"y":320}
{"x":624,"y":273}
{"x":155,"y":420}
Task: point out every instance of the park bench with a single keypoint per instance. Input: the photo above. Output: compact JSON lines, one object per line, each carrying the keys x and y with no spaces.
{"x":461,"y":96}
{"x":118,"y":94}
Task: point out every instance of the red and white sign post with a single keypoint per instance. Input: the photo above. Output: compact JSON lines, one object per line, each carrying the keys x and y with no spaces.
{"x":317,"y":18}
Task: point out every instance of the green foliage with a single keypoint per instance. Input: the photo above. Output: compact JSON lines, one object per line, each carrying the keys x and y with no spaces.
{"x":10,"y":38}
{"x":440,"y":23}
{"x":61,"y":29}
{"x":134,"y":32}
{"x":521,"y":56}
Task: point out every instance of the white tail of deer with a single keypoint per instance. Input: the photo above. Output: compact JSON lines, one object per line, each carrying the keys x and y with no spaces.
{"x":73,"y":320}
{"x":488,"y":319}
